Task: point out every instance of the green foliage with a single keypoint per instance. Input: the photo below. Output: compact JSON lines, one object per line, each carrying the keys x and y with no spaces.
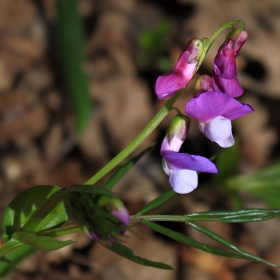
{"x":264,"y":184}
{"x":124,"y":169}
{"x":71,"y":39}
{"x":127,"y":253}
{"x":11,"y":259}
{"x":44,"y":243}
{"x":157,"y":201}
{"x":223,"y":241}
{"x":34,"y":209}
{"x":238,"y":253}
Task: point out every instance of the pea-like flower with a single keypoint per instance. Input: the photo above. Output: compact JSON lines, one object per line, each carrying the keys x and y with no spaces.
{"x":224,"y":66}
{"x":214,"y":112}
{"x":182,"y":167}
{"x":182,"y":72}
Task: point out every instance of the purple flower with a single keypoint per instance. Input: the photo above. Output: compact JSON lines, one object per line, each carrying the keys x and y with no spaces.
{"x":182,"y":167}
{"x":215,"y":111}
{"x":224,"y":68}
{"x":182,"y":72}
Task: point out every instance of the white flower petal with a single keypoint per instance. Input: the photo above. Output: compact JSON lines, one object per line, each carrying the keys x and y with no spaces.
{"x":218,"y":130}
{"x":183,"y":181}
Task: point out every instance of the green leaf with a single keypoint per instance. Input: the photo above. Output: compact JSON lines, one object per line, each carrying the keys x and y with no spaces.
{"x":227,"y":162}
{"x":264,"y":184}
{"x":71,"y":38}
{"x":192,"y":242}
{"x":228,"y":244}
{"x":124,"y":169}
{"x":24,"y":207}
{"x":13,"y":258}
{"x":128,"y":254}
{"x":234,"y":216}
{"x":44,"y":243}
{"x":157,"y":201}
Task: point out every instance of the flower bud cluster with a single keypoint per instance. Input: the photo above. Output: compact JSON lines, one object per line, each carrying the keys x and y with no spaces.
{"x":102,"y":217}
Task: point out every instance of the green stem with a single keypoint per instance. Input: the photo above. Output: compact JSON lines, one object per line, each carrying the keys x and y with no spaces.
{"x":209,"y":43}
{"x":137,"y":141}
{"x":157,"y":218}
{"x":60,"y":231}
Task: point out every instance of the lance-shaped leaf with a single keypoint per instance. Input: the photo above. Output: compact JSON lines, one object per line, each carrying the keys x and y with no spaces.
{"x":44,"y":243}
{"x":192,"y":242}
{"x":223,"y":241}
{"x":128,"y":254}
{"x":124,"y":169}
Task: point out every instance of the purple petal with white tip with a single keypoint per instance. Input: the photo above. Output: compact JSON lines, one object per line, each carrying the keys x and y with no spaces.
{"x":209,"y":105}
{"x":177,"y":161}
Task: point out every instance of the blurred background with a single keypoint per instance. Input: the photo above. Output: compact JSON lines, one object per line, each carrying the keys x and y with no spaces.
{"x":76,"y":86}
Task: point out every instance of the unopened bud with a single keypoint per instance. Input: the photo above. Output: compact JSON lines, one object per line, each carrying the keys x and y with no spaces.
{"x":203,"y":84}
{"x":101,"y":216}
{"x":176,"y":134}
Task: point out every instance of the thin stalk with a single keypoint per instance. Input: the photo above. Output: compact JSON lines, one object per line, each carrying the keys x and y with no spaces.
{"x":137,"y":141}
{"x":157,"y":218}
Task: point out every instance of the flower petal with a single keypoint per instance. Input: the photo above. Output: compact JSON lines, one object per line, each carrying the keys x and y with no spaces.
{"x":177,"y":79}
{"x":229,"y":86}
{"x":183,"y":181}
{"x":218,"y":130}
{"x":178,"y":161}
{"x":172,"y":146}
{"x":121,"y":214}
{"x":209,"y":105}
{"x":224,"y":62}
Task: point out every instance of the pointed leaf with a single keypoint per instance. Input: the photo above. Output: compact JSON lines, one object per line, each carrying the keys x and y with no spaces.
{"x":71,"y":39}
{"x":14,"y":257}
{"x":157,"y":201}
{"x":228,"y":244}
{"x":44,"y":243}
{"x":125,"y":168}
{"x":264,"y":184}
{"x":192,"y":242}
{"x":128,"y":254}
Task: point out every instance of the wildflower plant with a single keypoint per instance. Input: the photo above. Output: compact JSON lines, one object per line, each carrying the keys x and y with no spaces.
{"x":38,"y":215}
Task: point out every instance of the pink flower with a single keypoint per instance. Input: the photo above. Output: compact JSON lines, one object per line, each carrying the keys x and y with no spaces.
{"x":182,"y":72}
{"x":215,"y":111}
{"x":224,"y":67}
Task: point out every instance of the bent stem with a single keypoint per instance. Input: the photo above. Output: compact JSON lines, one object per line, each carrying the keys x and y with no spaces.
{"x":137,"y":141}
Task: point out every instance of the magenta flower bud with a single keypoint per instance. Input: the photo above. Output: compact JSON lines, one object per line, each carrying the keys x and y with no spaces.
{"x":181,"y":167}
{"x":203,"y":83}
{"x":115,"y":207}
{"x":182,"y":72}
{"x":224,"y":68}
